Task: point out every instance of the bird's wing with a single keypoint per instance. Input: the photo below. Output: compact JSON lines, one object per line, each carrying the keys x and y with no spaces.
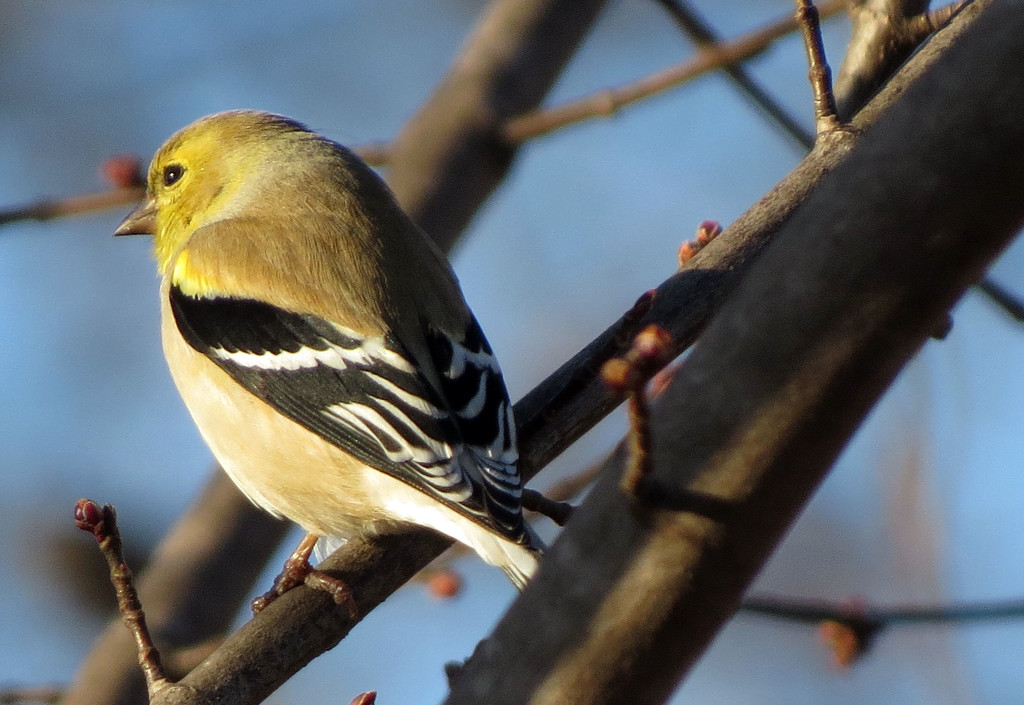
{"x":366,"y":396}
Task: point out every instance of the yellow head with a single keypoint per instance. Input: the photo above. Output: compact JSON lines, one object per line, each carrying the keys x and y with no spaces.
{"x":211,"y":170}
{"x":249,"y":204}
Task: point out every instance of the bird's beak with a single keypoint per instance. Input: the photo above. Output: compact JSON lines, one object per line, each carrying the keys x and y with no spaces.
{"x":141,"y":221}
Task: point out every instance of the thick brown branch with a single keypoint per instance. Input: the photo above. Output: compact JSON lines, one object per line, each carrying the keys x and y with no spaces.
{"x":451,"y":155}
{"x":849,"y":291}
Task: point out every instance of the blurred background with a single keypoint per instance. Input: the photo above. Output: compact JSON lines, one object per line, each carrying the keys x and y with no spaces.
{"x":925,"y":507}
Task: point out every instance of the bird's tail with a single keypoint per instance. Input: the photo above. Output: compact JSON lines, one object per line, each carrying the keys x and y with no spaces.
{"x":518,"y":561}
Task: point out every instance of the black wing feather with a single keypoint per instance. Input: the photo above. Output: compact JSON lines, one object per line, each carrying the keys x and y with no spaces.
{"x":491,"y":426}
{"x":357,"y":396}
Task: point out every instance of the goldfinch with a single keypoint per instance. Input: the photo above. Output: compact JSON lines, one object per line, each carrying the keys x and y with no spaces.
{"x":322,"y":344}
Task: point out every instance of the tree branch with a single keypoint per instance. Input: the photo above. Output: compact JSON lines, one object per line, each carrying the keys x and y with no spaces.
{"x":885,"y":32}
{"x":49,"y":209}
{"x":850,"y":629}
{"x":450,"y":155}
{"x":202,"y":570}
{"x":704,"y":35}
{"x":102,"y":523}
{"x":885,"y":616}
{"x":1006,"y":300}
{"x":851,"y":288}
{"x":722,"y":55}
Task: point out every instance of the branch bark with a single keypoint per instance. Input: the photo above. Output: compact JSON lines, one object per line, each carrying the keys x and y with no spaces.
{"x":852,"y":287}
{"x":885,"y":33}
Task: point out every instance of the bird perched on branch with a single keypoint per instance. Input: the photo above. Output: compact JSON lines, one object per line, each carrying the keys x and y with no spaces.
{"x":322,"y":344}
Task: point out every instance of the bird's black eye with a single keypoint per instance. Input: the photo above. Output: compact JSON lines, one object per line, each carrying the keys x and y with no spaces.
{"x":172,"y":173}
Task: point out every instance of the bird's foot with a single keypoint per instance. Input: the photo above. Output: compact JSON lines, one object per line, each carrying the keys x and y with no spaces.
{"x":298,"y":571}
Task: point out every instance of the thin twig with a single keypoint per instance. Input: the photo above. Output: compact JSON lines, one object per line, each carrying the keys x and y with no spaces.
{"x":629,"y":375}
{"x":1002,"y":297}
{"x":639,"y":467}
{"x":902,"y":615}
{"x":607,"y":102}
{"x":825,"y":119}
{"x":102,"y":523}
{"x":48,"y":209}
{"x":850,"y":629}
{"x":703,"y":34}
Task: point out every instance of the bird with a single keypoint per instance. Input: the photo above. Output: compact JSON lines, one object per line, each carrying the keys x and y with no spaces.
{"x":323,"y":346}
